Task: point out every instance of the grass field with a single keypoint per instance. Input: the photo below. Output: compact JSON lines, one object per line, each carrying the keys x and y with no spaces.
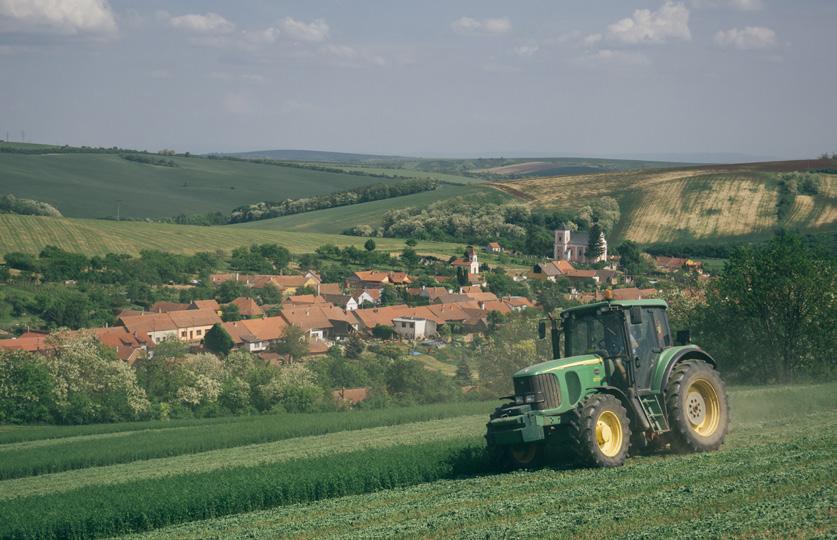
{"x":690,"y":204}
{"x":335,"y":220}
{"x":30,"y":234}
{"x":773,"y":478}
{"x":93,"y":185}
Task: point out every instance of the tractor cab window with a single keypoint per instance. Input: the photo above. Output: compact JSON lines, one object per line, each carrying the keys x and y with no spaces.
{"x":601,"y":334}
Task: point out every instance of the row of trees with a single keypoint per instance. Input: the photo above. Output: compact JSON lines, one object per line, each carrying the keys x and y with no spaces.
{"x":375,"y":192}
{"x":9,"y":204}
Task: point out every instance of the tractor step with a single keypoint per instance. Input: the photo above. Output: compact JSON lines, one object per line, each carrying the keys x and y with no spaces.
{"x":655,"y":412}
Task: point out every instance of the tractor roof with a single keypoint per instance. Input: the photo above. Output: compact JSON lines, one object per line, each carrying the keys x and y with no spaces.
{"x":621,"y":303}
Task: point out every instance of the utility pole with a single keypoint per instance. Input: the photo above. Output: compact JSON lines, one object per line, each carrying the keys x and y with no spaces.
{"x":118,"y":201}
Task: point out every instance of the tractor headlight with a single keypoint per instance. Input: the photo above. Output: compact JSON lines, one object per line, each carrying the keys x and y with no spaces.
{"x":518,"y":400}
{"x":530,"y":398}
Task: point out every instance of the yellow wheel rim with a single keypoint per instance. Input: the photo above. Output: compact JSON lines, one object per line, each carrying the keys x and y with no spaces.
{"x":609,"y":434}
{"x":703,"y":408}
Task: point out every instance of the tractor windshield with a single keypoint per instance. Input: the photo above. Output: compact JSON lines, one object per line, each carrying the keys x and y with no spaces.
{"x":595,"y":333}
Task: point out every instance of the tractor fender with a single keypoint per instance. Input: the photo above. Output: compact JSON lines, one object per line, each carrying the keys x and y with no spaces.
{"x":673,"y":356}
{"x":631,"y":404}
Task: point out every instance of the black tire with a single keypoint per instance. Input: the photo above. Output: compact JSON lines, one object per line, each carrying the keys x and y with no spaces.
{"x":593,"y":447}
{"x":518,"y":457}
{"x":698,"y":407}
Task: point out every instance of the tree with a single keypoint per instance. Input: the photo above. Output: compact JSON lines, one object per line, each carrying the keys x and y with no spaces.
{"x":354,"y":346}
{"x":381,"y":331}
{"x":630,"y":257}
{"x":230,"y":313}
{"x":409,"y":257}
{"x":369,"y":245}
{"x":293,"y":343}
{"x":770,"y":315}
{"x":538,"y":241}
{"x":461,"y":276}
{"x":502,"y":285}
{"x":230,"y":290}
{"x":412,"y":242}
{"x":595,"y":248}
{"x":390,"y":296}
{"x":217,"y":340}
{"x":61,"y":306}
{"x":26,"y":388}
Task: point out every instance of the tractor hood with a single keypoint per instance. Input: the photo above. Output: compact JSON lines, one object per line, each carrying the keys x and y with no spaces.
{"x":553,"y":366}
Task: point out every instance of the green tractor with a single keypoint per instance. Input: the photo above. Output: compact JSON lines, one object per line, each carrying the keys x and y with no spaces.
{"x":621,"y":385}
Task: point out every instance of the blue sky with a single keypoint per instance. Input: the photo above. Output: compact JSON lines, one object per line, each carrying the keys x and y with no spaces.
{"x":558,"y":77}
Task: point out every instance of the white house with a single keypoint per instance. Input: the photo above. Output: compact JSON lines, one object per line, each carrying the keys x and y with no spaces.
{"x":573,"y":245}
{"x":414,"y":327}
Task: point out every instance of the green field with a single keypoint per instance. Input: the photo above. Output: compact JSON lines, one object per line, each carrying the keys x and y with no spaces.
{"x":31,"y":234}
{"x":93,"y":185}
{"x":335,"y":220}
{"x":773,"y":478}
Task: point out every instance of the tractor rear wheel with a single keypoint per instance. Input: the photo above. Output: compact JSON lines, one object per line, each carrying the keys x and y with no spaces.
{"x":698,"y":411}
{"x":600,"y":433}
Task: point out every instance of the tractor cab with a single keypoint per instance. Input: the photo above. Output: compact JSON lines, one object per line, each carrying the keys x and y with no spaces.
{"x":616,"y":378}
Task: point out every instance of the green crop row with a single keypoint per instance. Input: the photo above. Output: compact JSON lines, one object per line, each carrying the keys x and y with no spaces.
{"x":148,"y":504}
{"x":74,"y":453}
{"x":755,"y":489}
{"x":341,"y":442}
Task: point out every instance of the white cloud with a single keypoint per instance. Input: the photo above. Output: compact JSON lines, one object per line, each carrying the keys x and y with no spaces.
{"x":526,"y":50}
{"x":314,"y":31}
{"x":209,"y":23}
{"x":747,"y":39}
{"x":67,"y":16}
{"x":350,"y":57}
{"x":469,"y":25}
{"x":610,"y":56}
{"x":671,"y":21}
{"x":261,"y":37}
{"x":591,"y":39}
{"x":741,"y":5}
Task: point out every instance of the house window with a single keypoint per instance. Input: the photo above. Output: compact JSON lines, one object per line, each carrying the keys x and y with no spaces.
{"x":198,"y":332}
{"x":183,"y":333}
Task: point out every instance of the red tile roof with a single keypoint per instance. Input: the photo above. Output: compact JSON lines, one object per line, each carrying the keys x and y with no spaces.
{"x":207,"y":304}
{"x":304,"y":299}
{"x":253,"y":330}
{"x":248,"y":307}
{"x":307,"y":317}
{"x":166,"y":307}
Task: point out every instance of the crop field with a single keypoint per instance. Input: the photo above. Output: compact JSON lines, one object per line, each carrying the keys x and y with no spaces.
{"x":335,"y":220}
{"x":686,"y":204}
{"x":420,"y":472}
{"x":93,"y":185}
{"x":31,"y":234}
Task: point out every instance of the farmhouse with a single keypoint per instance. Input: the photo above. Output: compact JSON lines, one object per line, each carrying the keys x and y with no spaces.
{"x":494,"y":247}
{"x":256,"y":335}
{"x":573,"y":245}
{"x":188,"y":325}
{"x":414,"y":327}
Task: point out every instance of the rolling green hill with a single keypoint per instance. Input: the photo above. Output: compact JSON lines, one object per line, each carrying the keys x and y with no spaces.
{"x":336,"y":220}
{"x":94,"y":185}
{"x":30,"y":234}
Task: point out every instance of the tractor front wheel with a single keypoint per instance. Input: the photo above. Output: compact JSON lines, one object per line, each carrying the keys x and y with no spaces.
{"x":600,"y":432}
{"x":519,"y":456}
{"x":698,"y":412}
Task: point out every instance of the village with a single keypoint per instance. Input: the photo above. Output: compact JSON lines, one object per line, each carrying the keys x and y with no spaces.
{"x":370,"y":304}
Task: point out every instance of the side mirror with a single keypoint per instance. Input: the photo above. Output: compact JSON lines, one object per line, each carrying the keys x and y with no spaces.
{"x":636,"y":315}
{"x":542,"y":330}
{"x":684,"y":337}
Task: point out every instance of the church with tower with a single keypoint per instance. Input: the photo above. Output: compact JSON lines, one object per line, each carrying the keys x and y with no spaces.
{"x":572,"y":246}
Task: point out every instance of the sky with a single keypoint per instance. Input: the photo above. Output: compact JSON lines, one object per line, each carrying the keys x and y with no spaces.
{"x":624,"y":78}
